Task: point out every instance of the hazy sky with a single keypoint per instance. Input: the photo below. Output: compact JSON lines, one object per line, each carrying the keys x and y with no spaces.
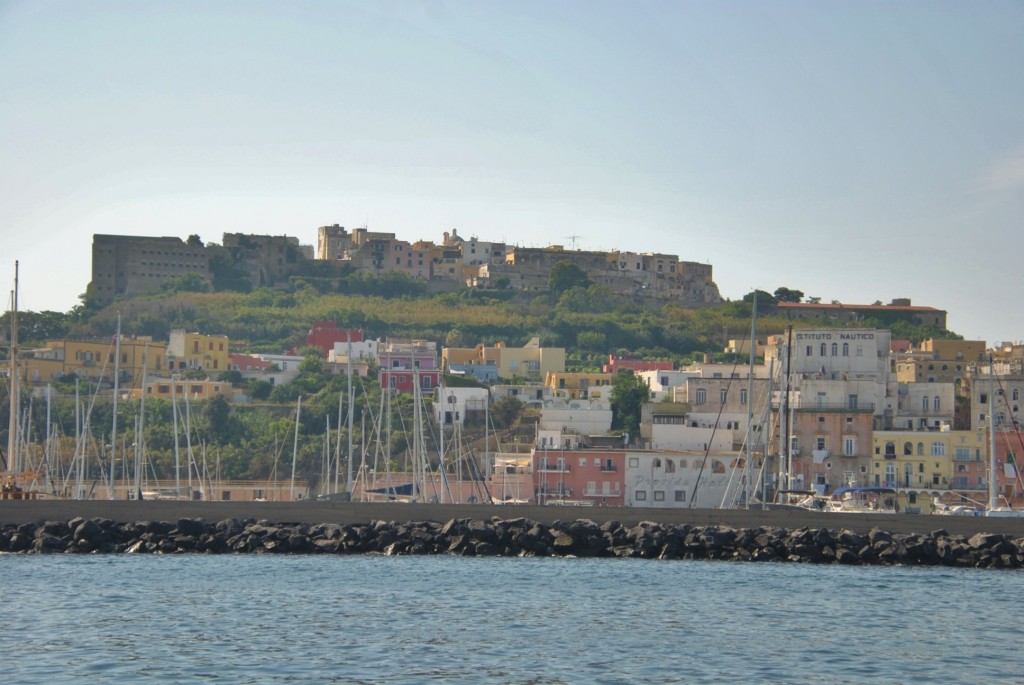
{"x":857,"y":151}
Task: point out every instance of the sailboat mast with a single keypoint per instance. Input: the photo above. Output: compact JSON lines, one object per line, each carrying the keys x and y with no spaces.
{"x":139,"y":439}
{"x":750,"y":403}
{"x":348,"y":370}
{"x":113,"y":430}
{"x":174,"y":421}
{"x":15,"y":399}
{"x":295,"y":446}
{"x":992,"y":485}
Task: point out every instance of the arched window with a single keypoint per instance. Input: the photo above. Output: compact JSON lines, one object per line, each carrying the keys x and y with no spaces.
{"x":890,"y":449}
{"x":835,"y":349}
{"x":846,"y":349}
{"x":935,"y":403}
{"x":823,"y":347}
{"x":908,"y":448}
{"x":920,"y":449}
{"x":670,"y":466}
{"x":924,"y":403}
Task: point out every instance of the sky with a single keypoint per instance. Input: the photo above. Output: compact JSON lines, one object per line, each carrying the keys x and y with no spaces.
{"x":856,"y":151}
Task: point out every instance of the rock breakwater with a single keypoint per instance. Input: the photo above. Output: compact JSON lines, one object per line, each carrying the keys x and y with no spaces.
{"x":515,"y":537}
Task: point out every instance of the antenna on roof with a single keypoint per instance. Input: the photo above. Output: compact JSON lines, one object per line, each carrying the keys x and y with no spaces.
{"x":573,"y":239}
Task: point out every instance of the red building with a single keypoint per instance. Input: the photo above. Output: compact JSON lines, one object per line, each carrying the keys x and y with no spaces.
{"x":247,"y":363}
{"x":619,"y":361}
{"x":324,"y":334}
{"x":589,"y":476}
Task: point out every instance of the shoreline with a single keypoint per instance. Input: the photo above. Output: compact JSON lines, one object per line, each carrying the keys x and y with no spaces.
{"x":15,"y":512}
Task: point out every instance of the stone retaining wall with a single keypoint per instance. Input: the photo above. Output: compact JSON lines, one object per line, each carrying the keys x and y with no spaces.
{"x":516,"y":537}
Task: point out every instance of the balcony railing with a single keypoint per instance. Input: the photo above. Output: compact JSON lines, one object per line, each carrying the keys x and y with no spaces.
{"x":553,"y":468}
{"x":830,"y":407}
{"x":608,"y":468}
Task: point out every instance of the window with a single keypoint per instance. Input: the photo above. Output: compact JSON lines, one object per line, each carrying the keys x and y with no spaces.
{"x":908,"y":448}
{"x":924,"y":403}
{"x":849,"y":446}
{"x":743,"y":395}
{"x":851,"y":401}
{"x":680,"y":495}
{"x":701,"y":396}
{"x":723,"y":394}
{"x":670,"y":466}
{"x":890,"y":449}
{"x":634,"y":462}
{"x":920,"y":449}
{"x":1015,"y":395}
{"x":820,"y":443}
{"x":835,"y":349}
{"x":823,"y":347}
{"x":846,"y":349}
{"x":938,"y":449}
{"x":983,"y":399}
{"x":810,"y":351}
{"x":640,"y":495}
{"x":936,"y":403}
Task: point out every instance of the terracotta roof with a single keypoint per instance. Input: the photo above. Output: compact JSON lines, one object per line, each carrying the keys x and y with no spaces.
{"x":881,"y":307}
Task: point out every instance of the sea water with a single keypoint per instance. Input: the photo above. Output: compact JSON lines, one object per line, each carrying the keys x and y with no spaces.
{"x":374,"y":619}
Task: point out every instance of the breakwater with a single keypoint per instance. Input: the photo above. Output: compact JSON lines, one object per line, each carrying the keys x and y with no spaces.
{"x":516,"y":537}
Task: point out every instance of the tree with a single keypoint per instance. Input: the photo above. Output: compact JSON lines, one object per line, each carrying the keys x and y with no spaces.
{"x":565,"y":275}
{"x":506,"y":411}
{"x":217,"y":413}
{"x":629,"y":393}
{"x":783,"y":294}
{"x":763,"y":297}
{"x":194,"y":241}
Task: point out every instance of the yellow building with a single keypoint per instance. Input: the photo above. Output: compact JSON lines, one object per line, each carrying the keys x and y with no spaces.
{"x":193,"y":351}
{"x":180,"y":389}
{"x":580,"y":385}
{"x":93,"y":360}
{"x":939,"y":361}
{"x":529,"y":361}
{"x":926,"y":463}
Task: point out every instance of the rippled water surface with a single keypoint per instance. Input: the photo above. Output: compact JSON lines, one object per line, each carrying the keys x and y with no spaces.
{"x":305,"y":619}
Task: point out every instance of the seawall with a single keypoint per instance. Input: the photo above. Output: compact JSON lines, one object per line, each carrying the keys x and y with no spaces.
{"x":67,"y":527}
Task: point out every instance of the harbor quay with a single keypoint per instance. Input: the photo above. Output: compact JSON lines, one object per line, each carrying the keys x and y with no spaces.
{"x":346,"y":513}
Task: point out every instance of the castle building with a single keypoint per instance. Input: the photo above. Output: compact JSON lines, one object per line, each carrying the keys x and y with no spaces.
{"x":124,"y":265}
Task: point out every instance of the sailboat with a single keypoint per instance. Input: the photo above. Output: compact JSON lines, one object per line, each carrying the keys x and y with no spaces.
{"x":992,"y":508}
{"x":16,"y":479}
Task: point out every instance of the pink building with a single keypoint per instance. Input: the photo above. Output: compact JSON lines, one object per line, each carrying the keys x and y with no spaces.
{"x":618,"y":361}
{"x":401,"y":363}
{"x":581,"y":476}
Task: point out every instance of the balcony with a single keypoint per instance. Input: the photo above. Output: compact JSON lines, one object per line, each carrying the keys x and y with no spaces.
{"x":594,"y":492}
{"x":557,"y":467}
{"x":608,"y":468}
{"x":830,"y":407}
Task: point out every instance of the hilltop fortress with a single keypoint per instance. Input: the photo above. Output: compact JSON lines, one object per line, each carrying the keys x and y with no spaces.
{"x":132,"y":265}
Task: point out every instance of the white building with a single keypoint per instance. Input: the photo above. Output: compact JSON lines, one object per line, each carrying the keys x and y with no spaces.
{"x":366,"y":349}
{"x":682,"y":479}
{"x":579,"y":417}
{"x":451,"y":405}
